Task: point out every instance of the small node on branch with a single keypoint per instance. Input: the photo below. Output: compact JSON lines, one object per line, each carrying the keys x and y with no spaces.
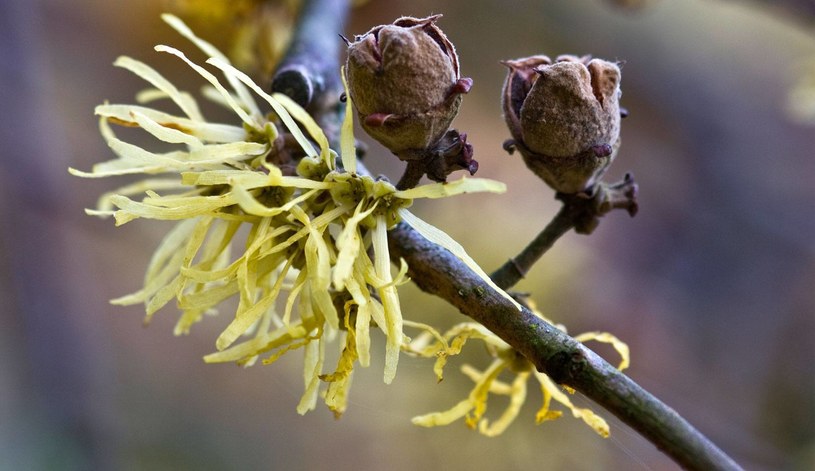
{"x":588,"y":207}
{"x":296,"y":83}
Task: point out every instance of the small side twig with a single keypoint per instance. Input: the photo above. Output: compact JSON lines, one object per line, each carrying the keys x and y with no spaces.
{"x":516,"y":268}
{"x":414,"y":171}
{"x":580,"y":211}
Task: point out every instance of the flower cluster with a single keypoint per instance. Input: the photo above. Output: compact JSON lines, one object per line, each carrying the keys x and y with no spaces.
{"x":314,"y":268}
{"x":430,"y":343}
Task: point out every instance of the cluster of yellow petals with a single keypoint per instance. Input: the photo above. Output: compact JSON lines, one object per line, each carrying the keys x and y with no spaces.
{"x":313,"y":266}
{"x":472,"y":409}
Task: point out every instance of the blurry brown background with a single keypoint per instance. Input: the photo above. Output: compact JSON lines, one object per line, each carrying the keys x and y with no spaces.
{"x":711,"y":284}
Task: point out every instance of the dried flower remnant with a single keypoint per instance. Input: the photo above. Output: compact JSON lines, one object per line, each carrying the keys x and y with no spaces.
{"x":472,"y":409}
{"x":405,"y":82}
{"x":314,"y":268}
{"x":564,"y":117}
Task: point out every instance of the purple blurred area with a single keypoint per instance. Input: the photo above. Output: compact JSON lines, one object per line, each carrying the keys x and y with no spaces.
{"x":712,"y":285}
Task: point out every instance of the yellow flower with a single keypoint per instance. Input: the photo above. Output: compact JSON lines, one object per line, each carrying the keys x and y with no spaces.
{"x":313,"y":266}
{"x":505,"y":359}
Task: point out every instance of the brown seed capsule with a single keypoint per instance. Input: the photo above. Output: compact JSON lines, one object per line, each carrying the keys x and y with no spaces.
{"x":564,"y":117}
{"x":404,"y":81}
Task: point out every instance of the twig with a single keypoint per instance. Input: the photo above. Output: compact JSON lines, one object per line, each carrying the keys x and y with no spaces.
{"x":581,"y":212}
{"x":414,"y":171}
{"x":517,"y":267}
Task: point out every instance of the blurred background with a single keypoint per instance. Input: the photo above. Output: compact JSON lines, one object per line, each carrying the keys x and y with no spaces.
{"x":711,"y":285}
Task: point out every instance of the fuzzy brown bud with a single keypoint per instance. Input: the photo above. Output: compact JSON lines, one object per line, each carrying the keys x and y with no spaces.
{"x":564,"y":117}
{"x":404,"y":81}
